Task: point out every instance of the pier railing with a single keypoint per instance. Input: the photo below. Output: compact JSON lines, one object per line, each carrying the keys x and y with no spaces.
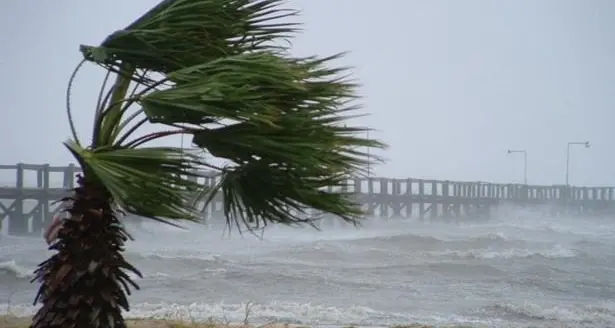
{"x":27,"y":201}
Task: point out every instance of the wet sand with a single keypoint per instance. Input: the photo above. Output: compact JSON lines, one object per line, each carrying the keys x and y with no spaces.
{"x":8,"y":321}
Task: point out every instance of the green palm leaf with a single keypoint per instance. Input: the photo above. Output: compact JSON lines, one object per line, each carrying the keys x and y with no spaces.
{"x":182,"y":33}
{"x":256,"y":194}
{"x":153,"y":182}
{"x":259,"y":87}
{"x":284,"y":120}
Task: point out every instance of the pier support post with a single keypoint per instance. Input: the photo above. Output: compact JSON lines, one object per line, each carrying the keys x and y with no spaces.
{"x":18,"y":225}
{"x":434,"y":195}
{"x":446,"y":201}
{"x":421,"y":200}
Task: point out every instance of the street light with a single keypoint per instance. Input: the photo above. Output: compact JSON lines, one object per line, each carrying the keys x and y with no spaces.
{"x":522,"y":151}
{"x":579,"y":143}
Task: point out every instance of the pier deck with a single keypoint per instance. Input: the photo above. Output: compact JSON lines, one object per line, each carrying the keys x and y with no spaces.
{"x":26,"y":209}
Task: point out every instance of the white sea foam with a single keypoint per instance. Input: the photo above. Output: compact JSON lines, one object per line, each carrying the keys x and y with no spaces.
{"x":494,"y":273}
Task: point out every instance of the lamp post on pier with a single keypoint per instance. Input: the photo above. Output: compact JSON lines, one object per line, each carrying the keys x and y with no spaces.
{"x":524,"y":152}
{"x":573,"y":143}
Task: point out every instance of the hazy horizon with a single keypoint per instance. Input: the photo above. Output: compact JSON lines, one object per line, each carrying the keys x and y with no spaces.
{"x":449,"y":85}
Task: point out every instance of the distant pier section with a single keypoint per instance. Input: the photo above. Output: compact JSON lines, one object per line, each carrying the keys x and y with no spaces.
{"x":26,"y":208}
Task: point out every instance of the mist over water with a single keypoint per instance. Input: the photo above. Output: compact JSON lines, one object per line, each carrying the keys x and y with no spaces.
{"x":520,"y":270}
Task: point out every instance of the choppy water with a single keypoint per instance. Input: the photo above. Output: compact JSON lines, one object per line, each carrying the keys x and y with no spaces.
{"x":518,"y":271}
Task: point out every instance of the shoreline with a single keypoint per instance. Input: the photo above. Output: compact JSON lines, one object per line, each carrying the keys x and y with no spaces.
{"x":11,"y":321}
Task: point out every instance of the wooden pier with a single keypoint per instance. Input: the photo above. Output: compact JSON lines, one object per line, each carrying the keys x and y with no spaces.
{"x":26,"y":208}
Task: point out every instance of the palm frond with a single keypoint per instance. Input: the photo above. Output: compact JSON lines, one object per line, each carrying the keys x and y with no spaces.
{"x":182,"y":33}
{"x":293,"y":142}
{"x":258,"y":193}
{"x":154,"y":182}
{"x":177,"y":34}
{"x":275,"y":115}
{"x":282,"y":172}
{"x":284,"y":124}
{"x":256,"y":87}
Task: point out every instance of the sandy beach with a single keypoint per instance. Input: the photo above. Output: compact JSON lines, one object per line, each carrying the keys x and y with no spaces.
{"x":8,"y":321}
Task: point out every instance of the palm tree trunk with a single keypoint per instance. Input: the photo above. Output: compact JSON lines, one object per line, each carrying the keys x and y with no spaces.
{"x":85,"y":283}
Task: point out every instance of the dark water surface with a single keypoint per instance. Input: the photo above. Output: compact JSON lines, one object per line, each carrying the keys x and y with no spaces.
{"x":519,"y":271}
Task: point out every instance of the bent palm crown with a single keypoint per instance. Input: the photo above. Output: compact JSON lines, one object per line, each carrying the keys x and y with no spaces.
{"x":221,"y":72}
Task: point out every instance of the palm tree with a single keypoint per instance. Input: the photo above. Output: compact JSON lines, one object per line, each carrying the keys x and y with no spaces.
{"x":221,"y":72}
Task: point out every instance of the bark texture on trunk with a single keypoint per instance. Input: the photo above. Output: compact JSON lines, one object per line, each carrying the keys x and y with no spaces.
{"x":86,"y":282}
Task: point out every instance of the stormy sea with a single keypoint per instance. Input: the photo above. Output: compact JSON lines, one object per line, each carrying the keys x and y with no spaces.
{"x":519,"y":270}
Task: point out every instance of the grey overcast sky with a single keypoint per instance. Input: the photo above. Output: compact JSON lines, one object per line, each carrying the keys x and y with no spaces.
{"x":449,"y":85}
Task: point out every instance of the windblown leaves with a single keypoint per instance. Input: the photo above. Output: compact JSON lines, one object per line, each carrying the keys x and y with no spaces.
{"x":150,"y":182}
{"x":259,"y":87}
{"x":258,"y":193}
{"x":307,"y":143}
{"x":229,"y":83}
{"x":285,"y":131}
{"x":182,"y":33}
